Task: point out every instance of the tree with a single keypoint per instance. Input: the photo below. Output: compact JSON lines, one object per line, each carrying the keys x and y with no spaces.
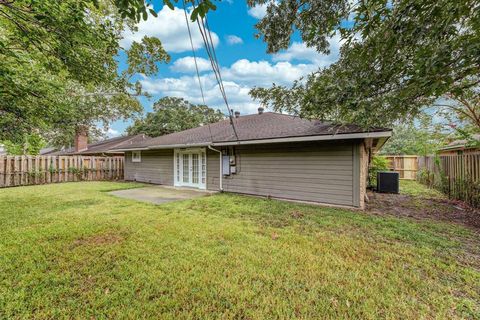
{"x":172,"y":115}
{"x":463,"y":108}
{"x":396,"y":58}
{"x":420,"y":138}
{"x":59,"y":68}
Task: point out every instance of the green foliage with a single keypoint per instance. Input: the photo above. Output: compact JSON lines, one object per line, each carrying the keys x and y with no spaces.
{"x":110,"y":257}
{"x":139,"y":9}
{"x":396,"y":58}
{"x":59,"y":68}
{"x":461,"y":187}
{"x":421,"y":138}
{"x":172,"y":115}
{"x":378,"y":164}
{"x":31,"y":145}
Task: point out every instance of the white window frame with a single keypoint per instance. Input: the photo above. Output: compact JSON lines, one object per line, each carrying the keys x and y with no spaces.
{"x":178,"y":170}
{"x":136,"y":156}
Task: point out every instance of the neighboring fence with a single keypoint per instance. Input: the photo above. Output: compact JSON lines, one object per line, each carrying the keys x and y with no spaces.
{"x":406,"y":166}
{"x":29,"y":170}
{"x":458,"y":176}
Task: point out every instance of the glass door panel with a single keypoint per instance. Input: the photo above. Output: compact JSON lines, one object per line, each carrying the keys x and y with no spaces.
{"x":186,"y":168}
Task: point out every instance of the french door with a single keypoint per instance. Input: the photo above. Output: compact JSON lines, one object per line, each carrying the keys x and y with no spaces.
{"x":190,"y":168}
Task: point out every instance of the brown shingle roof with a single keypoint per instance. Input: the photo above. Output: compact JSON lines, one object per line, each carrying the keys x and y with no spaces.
{"x":252,"y":127}
{"x":105,"y":146}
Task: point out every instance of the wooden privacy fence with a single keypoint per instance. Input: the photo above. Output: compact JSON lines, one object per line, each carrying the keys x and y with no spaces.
{"x":29,"y":170}
{"x":458,"y":176}
{"x":406,"y":166}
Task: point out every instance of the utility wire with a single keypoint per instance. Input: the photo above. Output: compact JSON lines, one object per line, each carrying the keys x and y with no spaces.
{"x":208,"y":42}
{"x":196,"y":66}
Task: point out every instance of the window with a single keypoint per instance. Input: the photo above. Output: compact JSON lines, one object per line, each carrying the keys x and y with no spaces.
{"x":136,"y":156}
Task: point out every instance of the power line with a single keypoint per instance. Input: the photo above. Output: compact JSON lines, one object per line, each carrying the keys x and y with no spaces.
{"x":209,"y":47}
{"x":196,"y":65}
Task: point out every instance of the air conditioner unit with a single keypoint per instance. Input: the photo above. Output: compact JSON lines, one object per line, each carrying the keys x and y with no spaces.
{"x":388,"y":182}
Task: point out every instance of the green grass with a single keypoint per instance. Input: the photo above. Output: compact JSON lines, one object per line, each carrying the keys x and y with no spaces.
{"x":415,"y":189}
{"x":73,"y":251}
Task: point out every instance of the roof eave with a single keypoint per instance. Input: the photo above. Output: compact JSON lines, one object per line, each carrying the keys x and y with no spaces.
{"x":339,"y":136}
{"x":342,"y":136}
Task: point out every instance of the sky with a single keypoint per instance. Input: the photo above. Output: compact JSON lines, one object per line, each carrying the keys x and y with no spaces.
{"x":243,"y":59}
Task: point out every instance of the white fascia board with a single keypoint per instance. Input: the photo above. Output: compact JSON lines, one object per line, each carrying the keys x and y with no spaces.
{"x":180,"y":146}
{"x":363,"y":135}
{"x":130,"y":149}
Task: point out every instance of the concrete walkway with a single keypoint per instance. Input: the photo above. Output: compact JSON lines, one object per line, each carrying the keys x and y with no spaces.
{"x":160,"y":194}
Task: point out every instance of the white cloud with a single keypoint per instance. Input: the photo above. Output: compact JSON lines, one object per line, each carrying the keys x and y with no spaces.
{"x":187,"y":87}
{"x":187,"y":65}
{"x":299,"y":51}
{"x":259,"y":11}
{"x":112,"y":132}
{"x":170,"y":27}
{"x":263,"y":73}
{"x":239,"y":78}
{"x":233,"y":39}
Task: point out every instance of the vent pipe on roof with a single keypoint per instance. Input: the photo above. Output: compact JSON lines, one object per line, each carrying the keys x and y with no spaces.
{"x":237,"y":114}
{"x":260,"y":110}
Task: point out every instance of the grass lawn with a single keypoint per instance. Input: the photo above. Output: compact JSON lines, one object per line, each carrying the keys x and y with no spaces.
{"x":73,"y":251}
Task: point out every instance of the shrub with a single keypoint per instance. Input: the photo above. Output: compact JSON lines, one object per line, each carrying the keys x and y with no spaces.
{"x":378,"y":164}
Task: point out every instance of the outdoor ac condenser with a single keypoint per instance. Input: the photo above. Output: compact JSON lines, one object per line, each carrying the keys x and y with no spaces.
{"x":388,"y":182}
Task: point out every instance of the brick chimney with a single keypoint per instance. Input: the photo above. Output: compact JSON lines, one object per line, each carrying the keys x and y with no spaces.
{"x":81,"y":139}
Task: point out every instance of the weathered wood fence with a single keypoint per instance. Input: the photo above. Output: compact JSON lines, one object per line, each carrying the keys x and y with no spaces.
{"x":30,"y":170}
{"x":458,"y":176}
{"x":405,"y":165}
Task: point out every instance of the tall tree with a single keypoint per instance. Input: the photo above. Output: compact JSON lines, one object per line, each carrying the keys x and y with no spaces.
{"x":396,"y":57}
{"x":172,"y":115}
{"x":422,"y":137}
{"x":59,"y":68}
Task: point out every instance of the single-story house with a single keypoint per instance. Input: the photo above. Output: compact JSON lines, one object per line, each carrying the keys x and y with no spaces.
{"x":265,"y":154}
{"x":461,"y":146}
{"x":100,"y":148}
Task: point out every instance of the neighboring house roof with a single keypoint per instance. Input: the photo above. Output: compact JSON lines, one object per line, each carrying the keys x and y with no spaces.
{"x":461,"y":144}
{"x":266,"y":127}
{"x":102,"y":147}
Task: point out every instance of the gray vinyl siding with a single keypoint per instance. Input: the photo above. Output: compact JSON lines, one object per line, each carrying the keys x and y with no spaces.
{"x":156,"y":167}
{"x":319,"y":172}
{"x":213,"y":170}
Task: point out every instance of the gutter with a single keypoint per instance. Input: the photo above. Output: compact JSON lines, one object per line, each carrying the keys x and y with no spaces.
{"x":221,"y":166}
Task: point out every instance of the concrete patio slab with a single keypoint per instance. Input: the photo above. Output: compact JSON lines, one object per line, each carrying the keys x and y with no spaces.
{"x":160,"y":194}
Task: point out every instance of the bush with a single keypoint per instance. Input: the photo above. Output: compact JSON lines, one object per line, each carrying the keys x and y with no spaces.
{"x":378,"y":164}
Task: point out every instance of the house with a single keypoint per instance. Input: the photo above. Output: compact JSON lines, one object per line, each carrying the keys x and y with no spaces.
{"x":460,"y":147}
{"x":271,"y":154}
{"x":101,"y":148}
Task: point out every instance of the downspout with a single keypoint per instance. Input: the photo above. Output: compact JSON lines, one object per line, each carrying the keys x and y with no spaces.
{"x":221,"y":166}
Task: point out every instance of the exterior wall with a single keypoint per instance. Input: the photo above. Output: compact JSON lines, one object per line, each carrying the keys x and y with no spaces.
{"x":325,"y":172}
{"x":213,"y":170}
{"x":320,"y":172}
{"x":156,"y":166}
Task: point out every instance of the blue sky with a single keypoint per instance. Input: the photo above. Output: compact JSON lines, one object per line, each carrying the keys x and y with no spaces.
{"x":243,"y":59}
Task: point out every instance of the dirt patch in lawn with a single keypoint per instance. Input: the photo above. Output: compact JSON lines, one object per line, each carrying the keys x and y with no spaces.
{"x":99,"y":240}
{"x":418,"y":207}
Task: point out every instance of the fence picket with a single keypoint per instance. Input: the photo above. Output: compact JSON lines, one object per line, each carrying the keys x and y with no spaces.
{"x":456,"y":175}
{"x":26,"y":170}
